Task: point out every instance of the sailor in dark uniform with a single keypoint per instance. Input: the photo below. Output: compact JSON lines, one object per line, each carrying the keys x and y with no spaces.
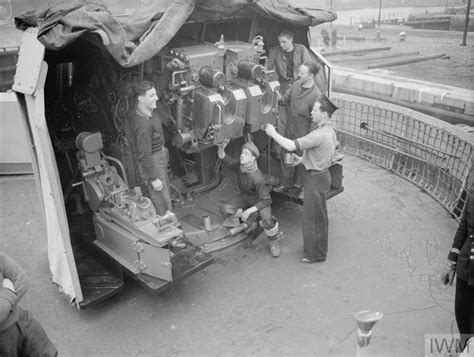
{"x":255,"y":198}
{"x":461,"y":263}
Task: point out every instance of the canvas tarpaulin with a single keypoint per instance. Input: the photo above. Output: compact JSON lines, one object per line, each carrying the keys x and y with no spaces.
{"x":277,"y":10}
{"x":145,"y":32}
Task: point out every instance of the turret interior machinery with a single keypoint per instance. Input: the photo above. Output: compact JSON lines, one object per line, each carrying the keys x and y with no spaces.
{"x":222,"y":91}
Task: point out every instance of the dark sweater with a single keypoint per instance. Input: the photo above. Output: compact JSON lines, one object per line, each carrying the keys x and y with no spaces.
{"x":252,"y":182}
{"x":9,"y":311}
{"x":149,"y":138}
{"x":462,"y":251}
{"x":299,"y":103}
{"x":277,"y":60}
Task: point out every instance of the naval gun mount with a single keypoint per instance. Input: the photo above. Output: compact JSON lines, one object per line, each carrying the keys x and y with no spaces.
{"x":223,"y":92}
{"x":127,"y":228}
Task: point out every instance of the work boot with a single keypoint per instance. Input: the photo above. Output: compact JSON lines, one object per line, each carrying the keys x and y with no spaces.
{"x":280,"y":188}
{"x":177,"y":243}
{"x":274,"y":248}
{"x":301,"y":195}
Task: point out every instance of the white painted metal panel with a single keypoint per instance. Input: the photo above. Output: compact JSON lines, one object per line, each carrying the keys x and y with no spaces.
{"x":60,"y":254}
{"x":30,"y":59}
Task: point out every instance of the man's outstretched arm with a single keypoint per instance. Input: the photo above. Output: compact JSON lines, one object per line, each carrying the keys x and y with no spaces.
{"x":285,"y":143}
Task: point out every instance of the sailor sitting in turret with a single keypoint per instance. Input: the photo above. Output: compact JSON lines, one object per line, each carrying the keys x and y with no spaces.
{"x":255,"y":199}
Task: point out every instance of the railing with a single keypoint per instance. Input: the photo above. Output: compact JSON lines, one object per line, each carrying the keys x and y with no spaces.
{"x":434,"y":155}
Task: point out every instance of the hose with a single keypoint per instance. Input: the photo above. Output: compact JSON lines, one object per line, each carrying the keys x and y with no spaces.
{"x":213,"y":184}
{"x":120,"y":165}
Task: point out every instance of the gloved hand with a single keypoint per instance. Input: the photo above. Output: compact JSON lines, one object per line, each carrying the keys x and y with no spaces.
{"x":8,"y":284}
{"x":248,"y":212}
{"x":221,"y":148}
{"x":447,"y":277}
{"x":157,"y":185}
{"x":238,"y":213}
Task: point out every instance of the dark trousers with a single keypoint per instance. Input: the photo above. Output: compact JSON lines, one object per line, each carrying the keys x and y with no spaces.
{"x":464,"y":309}
{"x":161,"y":199}
{"x":281,"y":127}
{"x":290,"y":175}
{"x":26,"y":337}
{"x":245,"y":201}
{"x":315,"y":214}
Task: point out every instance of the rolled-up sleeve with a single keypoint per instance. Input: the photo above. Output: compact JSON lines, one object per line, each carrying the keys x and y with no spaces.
{"x":308,"y":141}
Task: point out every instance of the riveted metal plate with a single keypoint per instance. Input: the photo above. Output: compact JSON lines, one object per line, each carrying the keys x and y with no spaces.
{"x":157,"y":262}
{"x":30,"y":59}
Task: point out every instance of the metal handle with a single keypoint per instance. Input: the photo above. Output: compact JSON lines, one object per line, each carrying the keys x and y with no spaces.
{"x":221,"y":114}
{"x":173,"y":77}
{"x":86,"y":197}
{"x":119,"y":164}
{"x":78,"y":183}
{"x":275,"y":102}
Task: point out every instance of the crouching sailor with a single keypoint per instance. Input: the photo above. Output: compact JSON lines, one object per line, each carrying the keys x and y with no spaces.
{"x":256,"y":199}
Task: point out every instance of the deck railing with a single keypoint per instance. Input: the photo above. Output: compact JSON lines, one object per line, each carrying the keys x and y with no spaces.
{"x":434,"y":155}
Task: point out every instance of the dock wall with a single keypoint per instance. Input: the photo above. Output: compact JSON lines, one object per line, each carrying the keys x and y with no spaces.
{"x":451,"y":104}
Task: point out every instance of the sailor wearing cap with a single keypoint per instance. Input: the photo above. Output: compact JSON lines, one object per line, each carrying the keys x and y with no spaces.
{"x":318,"y":154}
{"x":255,"y":199}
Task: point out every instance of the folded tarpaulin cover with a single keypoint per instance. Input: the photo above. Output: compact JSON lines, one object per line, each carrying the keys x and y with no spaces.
{"x":140,"y":36}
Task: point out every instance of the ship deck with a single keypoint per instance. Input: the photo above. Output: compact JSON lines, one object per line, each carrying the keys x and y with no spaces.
{"x":388,"y":243}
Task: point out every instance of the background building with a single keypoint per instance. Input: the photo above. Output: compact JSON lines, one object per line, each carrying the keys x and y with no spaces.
{"x":359,"y":4}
